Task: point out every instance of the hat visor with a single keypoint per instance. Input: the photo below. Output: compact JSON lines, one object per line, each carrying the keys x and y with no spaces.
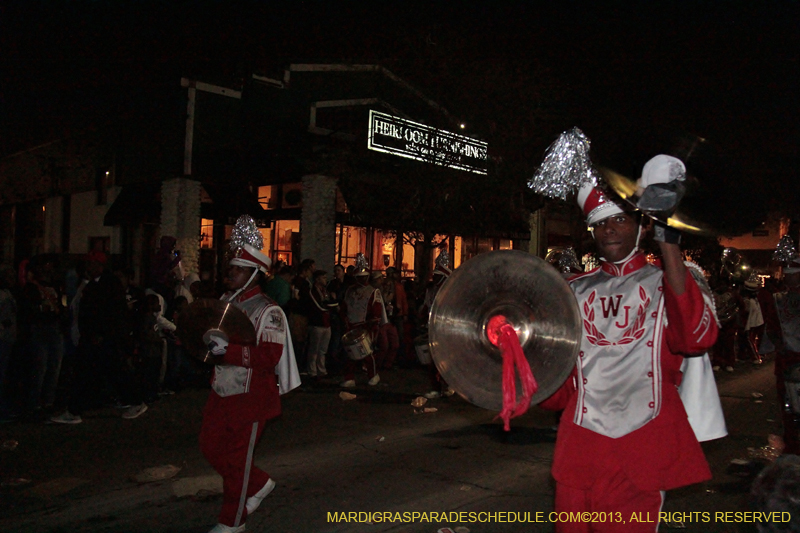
{"x":237,"y":261}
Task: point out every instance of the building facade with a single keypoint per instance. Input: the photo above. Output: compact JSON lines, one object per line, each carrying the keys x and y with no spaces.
{"x":330,"y":160}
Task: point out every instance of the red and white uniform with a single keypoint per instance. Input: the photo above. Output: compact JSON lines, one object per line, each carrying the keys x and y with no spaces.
{"x":362,"y":304}
{"x":624,"y":433}
{"x":245,"y":394}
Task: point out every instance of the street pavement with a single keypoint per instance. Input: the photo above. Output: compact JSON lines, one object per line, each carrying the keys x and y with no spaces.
{"x":373,"y":454}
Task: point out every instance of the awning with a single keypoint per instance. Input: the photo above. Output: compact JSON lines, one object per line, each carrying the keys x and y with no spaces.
{"x":136,"y":204}
{"x":229,"y":203}
{"x":467,"y":211}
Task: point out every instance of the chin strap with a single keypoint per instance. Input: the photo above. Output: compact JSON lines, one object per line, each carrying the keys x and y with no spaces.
{"x":633,"y":252}
{"x":243,"y":287}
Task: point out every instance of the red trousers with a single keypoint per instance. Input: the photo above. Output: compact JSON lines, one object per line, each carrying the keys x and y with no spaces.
{"x":615,"y":504}
{"x":228,"y":445}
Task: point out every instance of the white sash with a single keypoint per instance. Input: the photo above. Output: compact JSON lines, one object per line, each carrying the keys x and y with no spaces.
{"x":698,"y":391}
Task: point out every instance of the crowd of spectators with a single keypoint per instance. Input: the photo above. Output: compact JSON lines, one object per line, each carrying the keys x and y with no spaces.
{"x":315,"y":302}
{"x":79,"y":334}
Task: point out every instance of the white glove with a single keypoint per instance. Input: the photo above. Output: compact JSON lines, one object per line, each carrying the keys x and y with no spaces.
{"x":662,"y":169}
{"x":661,"y":186}
{"x":216,"y":341}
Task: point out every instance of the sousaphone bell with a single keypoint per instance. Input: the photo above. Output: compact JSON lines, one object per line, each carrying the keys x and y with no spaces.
{"x":535,"y":300}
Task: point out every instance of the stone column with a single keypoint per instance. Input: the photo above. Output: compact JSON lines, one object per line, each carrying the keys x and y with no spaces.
{"x":180,"y":218}
{"x":318,"y":221}
{"x":537,"y":245}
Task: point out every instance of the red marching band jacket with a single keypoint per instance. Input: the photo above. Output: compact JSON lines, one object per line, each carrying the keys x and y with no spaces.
{"x":621,"y":403}
{"x":253,"y":388}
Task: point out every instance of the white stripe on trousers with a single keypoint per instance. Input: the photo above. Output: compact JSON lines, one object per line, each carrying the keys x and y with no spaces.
{"x":246,"y":480}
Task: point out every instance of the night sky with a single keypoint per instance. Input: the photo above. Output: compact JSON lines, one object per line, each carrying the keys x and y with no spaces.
{"x":637,"y":77}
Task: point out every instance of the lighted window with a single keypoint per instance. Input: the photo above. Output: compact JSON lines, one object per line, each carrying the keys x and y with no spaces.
{"x":505,"y":244}
{"x":266,"y":235}
{"x":386,"y":255}
{"x":408,"y":256}
{"x":286,"y":233}
{"x":268,"y":196}
{"x":353,"y":241}
{"x":457,"y":245}
{"x":206,"y":233}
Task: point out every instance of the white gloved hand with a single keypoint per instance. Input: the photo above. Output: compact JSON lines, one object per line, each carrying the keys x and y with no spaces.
{"x":662,"y":169}
{"x":661,"y":188}
{"x":217,"y":341}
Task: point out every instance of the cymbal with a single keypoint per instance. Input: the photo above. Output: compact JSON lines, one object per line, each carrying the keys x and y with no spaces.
{"x":535,"y":300}
{"x":681,"y":219}
{"x":206,"y":313}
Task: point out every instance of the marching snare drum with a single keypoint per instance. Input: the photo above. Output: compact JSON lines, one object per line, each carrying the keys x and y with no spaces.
{"x":357,"y":344}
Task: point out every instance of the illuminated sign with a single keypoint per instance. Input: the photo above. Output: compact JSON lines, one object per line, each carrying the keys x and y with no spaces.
{"x":404,"y":138}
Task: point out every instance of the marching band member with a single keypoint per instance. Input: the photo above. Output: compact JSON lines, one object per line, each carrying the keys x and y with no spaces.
{"x":624,"y":437}
{"x":247,"y":383}
{"x":783,"y":328}
{"x":363,"y":308}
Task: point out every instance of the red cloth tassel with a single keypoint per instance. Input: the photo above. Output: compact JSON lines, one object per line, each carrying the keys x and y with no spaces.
{"x":502,"y":335}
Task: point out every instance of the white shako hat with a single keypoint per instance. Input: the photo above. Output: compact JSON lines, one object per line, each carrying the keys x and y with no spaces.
{"x":595,"y":204}
{"x":753,"y":282}
{"x":248,"y":256}
{"x":246,"y":245}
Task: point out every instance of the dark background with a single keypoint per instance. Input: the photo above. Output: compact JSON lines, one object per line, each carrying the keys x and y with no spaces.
{"x":638,"y":77}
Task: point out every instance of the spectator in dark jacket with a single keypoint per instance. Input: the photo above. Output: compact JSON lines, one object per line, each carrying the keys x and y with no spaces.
{"x":102,"y":321}
{"x":298,"y":312}
{"x":41,"y":313}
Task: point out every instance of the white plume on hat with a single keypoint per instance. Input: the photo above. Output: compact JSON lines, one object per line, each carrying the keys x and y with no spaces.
{"x":753,"y":282}
{"x":443,"y":264}
{"x":361,"y":265}
{"x":246,"y":244}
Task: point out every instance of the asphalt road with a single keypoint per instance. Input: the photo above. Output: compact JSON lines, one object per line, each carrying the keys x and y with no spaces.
{"x":376,"y":453}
